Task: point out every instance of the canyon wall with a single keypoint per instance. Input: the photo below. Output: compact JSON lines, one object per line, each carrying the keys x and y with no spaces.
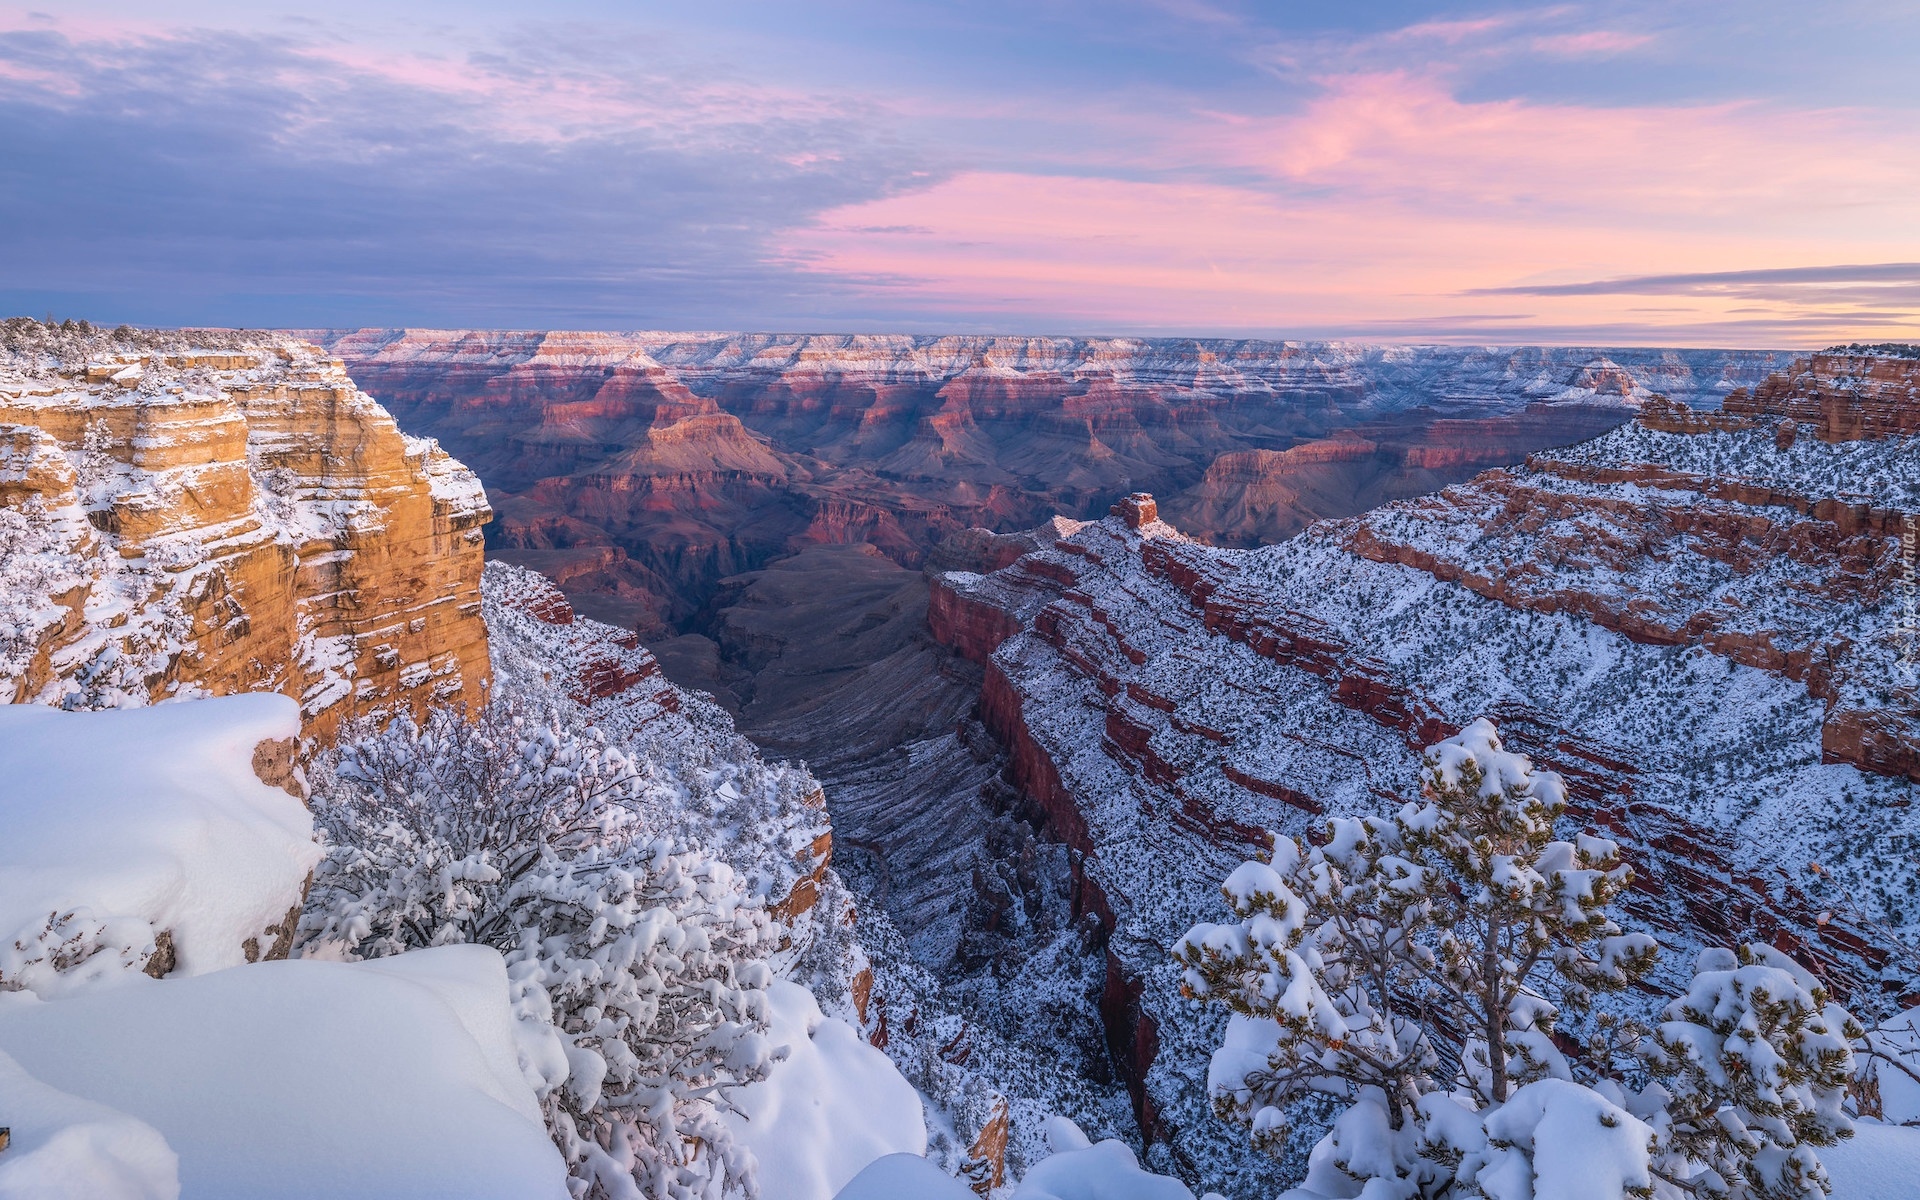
{"x":190,"y":514}
{"x":641,"y":469}
{"x":1705,"y":622}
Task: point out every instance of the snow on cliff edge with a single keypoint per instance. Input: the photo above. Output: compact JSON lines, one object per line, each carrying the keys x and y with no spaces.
{"x":130,"y":830}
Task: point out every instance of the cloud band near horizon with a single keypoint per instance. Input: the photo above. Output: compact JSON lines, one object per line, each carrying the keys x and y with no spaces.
{"x":1184,"y":170}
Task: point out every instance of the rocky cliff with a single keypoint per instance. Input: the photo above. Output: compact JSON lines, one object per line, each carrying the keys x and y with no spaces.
{"x":1704,"y":621}
{"x":186,"y":514}
{"x":1843,"y":396}
{"x":641,"y":469}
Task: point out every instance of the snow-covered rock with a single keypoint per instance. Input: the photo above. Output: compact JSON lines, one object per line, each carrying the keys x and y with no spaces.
{"x":1082,"y":1170}
{"x":199,"y":512}
{"x":706,"y":785}
{"x":832,"y":1107}
{"x":129,"y":830}
{"x":904,"y":1177}
{"x":1700,"y":631}
{"x":307,"y":1079}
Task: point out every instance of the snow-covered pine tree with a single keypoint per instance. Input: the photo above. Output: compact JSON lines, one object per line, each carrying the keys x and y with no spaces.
{"x":1521,"y":915}
{"x":1416,"y":967}
{"x":1322,"y":971}
{"x":1752,"y":1067}
{"x":644,"y":965}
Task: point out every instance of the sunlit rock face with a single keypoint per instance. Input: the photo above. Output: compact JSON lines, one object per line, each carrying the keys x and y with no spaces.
{"x":192,"y":514}
{"x":1705,"y":621}
{"x":1843,"y":396}
{"x":641,"y":469}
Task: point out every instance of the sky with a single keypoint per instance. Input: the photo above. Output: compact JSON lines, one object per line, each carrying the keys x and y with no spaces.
{"x":1673,"y":173}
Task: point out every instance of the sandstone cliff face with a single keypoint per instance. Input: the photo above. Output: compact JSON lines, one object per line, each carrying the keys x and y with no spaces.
{"x":698,"y":457}
{"x":1701,"y":629}
{"x":181,"y":519}
{"x":1844,"y":396}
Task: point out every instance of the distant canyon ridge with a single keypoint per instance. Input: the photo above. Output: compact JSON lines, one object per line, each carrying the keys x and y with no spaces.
{"x":650,"y":474}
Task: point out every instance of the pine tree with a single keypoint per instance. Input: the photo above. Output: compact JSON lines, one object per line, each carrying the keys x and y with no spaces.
{"x":1521,"y":916}
{"x":1753,"y":1065}
{"x":1413,"y":963}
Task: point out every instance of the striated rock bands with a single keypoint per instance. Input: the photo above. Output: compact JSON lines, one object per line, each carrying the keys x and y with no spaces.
{"x":184,"y":520}
{"x":642,"y":469}
{"x":1707,"y":629}
{"x":1843,"y":395}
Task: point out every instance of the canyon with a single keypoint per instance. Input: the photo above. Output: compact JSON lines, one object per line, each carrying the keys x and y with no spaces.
{"x":640,"y":470}
{"x":1052,"y":632}
{"x":1705,"y":621}
{"x":787,"y":522}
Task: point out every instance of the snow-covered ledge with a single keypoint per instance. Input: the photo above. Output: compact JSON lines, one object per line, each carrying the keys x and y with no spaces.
{"x":146,"y":839}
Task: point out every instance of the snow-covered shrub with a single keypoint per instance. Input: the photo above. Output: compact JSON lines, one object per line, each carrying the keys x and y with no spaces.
{"x":1416,"y":967}
{"x":1752,"y":1066}
{"x":640,"y":964}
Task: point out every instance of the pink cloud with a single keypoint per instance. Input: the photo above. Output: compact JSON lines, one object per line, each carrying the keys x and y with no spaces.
{"x":1389,"y":199}
{"x":1451,"y":32}
{"x":1408,"y":136}
{"x":1598,"y":43}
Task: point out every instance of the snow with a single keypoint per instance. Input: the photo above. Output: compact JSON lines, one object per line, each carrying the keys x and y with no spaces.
{"x":310,"y":1079}
{"x":66,"y":1148}
{"x":1879,"y":1162}
{"x":706,"y":786}
{"x":1899,"y":1036}
{"x":143,"y":821}
{"x":1102,"y":1171}
{"x":1389,"y":378}
{"x":1478,"y":745}
{"x":1076,"y":1170}
{"x":1740,"y":762}
{"x":904,"y":1177}
{"x":1556,"y":1140}
{"x":831,"y":1108}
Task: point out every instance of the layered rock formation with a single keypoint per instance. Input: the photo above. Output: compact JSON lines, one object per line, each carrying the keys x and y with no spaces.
{"x":642,"y":469}
{"x":1843,"y":395}
{"x":1251,"y":497}
{"x":1703,"y":621}
{"x":203,"y":514}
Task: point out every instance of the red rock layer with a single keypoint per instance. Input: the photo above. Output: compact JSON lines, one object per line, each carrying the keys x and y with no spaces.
{"x":1845,"y":396}
{"x":1687,"y":884}
{"x":1118,"y":678}
{"x":704,"y":456}
{"x":1257,"y":496}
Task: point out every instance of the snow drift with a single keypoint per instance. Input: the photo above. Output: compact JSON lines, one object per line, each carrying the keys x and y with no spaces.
{"x":299,"y":1079}
{"x":132,"y":829}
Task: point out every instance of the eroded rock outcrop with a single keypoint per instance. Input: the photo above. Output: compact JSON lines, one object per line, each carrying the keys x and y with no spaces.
{"x":187,"y":519}
{"x":1845,"y":396}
